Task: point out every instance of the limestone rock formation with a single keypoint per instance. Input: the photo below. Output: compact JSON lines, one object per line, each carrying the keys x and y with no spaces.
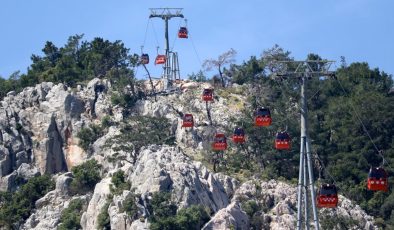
{"x":279,"y":200}
{"x":39,"y":125}
{"x":49,"y":208}
{"x":98,"y":201}
{"x":166,"y":169}
{"x":231,"y":217}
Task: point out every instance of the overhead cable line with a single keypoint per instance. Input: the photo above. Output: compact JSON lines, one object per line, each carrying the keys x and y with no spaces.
{"x":154,"y":32}
{"x":195,"y":50}
{"x":146,"y":32}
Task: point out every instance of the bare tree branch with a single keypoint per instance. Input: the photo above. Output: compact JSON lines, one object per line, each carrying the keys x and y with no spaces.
{"x":224,"y":59}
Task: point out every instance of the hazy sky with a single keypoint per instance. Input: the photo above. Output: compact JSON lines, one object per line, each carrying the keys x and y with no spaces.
{"x":360,"y":30}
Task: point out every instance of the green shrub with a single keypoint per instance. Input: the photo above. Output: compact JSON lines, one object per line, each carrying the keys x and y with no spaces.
{"x":86,"y":176}
{"x":165,"y":216}
{"x":338,"y":222}
{"x":139,"y":131}
{"x":103,"y":221}
{"x":87,"y":136}
{"x":250,"y":207}
{"x":161,"y":205}
{"x":223,"y":93}
{"x":117,"y":99}
{"x":119,"y":183}
{"x":193,"y":217}
{"x":106,"y":121}
{"x":124,"y":100}
{"x":71,"y":216}
{"x":130,"y":207}
{"x":19,"y":126}
{"x":198,"y":77}
{"x":16,"y":207}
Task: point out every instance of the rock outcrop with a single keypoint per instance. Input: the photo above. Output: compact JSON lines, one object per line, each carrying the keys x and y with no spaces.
{"x":99,"y":199}
{"x":160,"y":169}
{"x":167,"y":169}
{"x":49,"y":208}
{"x":39,"y":125}
{"x":278,"y":201}
{"x":231,"y":217}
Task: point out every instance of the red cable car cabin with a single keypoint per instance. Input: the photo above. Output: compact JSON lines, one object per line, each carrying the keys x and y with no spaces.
{"x":160,"y":59}
{"x":182,"y":33}
{"x":377,"y":180}
{"x":327,"y":196}
{"x":239,"y":136}
{"x":262,"y":117}
{"x":282,"y":141}
{"x":207,"y":95}
{"x":144,"y":59}
{"x":188,"y":121}
{"x":219,"y":142}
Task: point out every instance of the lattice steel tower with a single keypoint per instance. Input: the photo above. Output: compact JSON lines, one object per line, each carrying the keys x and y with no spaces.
{"x":171,"y":66}
{"x":305,"y":70}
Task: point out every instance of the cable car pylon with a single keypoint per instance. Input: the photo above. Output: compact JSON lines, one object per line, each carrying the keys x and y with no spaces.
{"x":305,"y":70}
{"x":166,"y":14}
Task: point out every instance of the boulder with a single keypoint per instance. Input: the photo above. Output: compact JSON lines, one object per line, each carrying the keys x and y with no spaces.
{"x":98,"y":201}
{"x":231,"y":217}
{"x":27,"y":171}
{"x":49,"y":211}
{"x":63,"y":183}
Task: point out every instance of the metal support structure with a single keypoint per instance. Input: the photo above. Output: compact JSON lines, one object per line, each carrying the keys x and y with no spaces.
{"x":305,"y":190}
{"x":166,"y":14}
{"x":176,"y":75}
{"x":300,"y":186}
{"x":307,"y":160}
{"x":305,"y":70}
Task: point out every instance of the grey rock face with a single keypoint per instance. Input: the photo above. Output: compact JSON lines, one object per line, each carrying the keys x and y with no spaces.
{"x":231,"y":217}
{"x":230,"y":184}
{"x":49,"y":211}
{"x":22,"y":157}
{"x":164,"y":169}
{"x":63,"y":183}
{"x":5,"y":162}
{"x":160,"y":168}
{"x":7,"y":183}
{"x":39,"y":126}
{"x":120,"y":220}
{"x":27,"y":171}
{"x":55,"y":161}
{"x":98,"y":201}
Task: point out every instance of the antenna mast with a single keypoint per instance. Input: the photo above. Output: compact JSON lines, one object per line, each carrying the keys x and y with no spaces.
{"x":166,"y":14}
{"x":305,"y":70}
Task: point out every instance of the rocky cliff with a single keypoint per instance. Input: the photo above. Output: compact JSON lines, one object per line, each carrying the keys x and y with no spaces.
{"x":38,"y":135}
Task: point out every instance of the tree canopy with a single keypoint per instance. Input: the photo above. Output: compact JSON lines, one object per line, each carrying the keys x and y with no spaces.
{"x":77,"y":61}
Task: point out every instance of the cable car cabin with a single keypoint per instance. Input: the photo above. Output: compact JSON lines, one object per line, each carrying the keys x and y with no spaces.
{"x":377,"y":180}
{"x":182,"y":33}
{"x":239,"y":136}
{"x":144,"y":59}
{"x":207,"y":95}
{"x":219,"y":142}
{"x":160,"y":59}
{"x":187,"y":121}
{"x":327,"y":196}
{"x":282,"y":141}
{"x":262,"y":117}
